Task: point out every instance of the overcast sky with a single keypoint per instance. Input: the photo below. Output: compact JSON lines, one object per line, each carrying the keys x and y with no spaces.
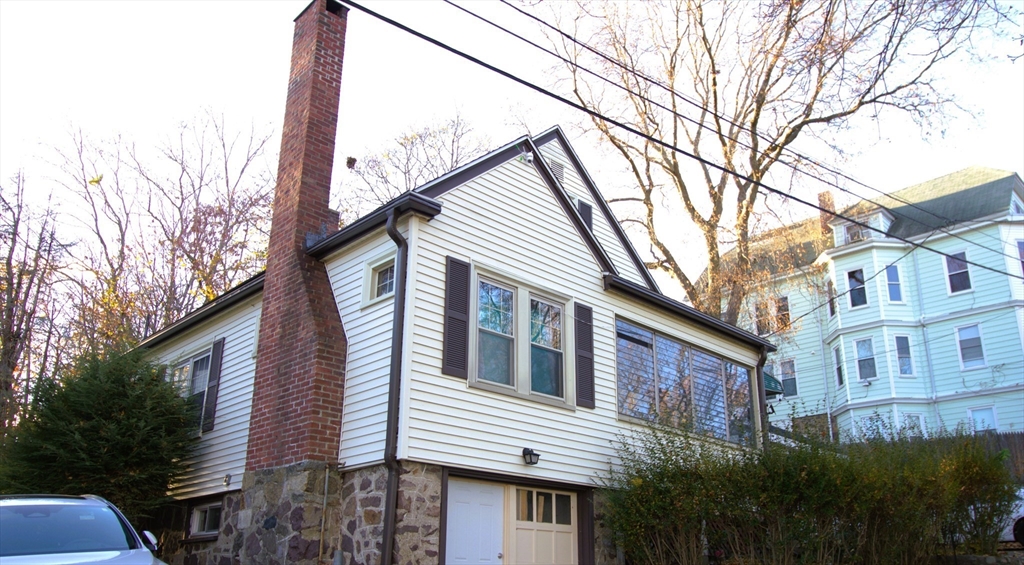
{"x":140,"y":68}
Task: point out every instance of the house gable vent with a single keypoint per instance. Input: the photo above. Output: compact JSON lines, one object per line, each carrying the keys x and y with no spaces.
{"x":558,"y":170}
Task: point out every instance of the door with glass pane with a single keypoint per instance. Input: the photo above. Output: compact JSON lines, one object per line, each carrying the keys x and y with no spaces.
{"x":543,"y":524}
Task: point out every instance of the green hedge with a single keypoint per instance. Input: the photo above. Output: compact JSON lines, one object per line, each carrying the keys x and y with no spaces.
{"x":677,"y":500}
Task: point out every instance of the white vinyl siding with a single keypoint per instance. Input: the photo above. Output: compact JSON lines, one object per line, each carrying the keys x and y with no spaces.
{"x":446,"y":421}
{"x":573,"y":183}
{"x":367,"y":363}
{"x":221,"y":452}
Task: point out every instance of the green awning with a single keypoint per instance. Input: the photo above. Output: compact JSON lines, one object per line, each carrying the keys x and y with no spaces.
{"x":772,"y":386}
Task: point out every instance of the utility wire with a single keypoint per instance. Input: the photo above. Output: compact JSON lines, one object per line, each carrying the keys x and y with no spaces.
{"x":656,"y":141}
{"x":947,"y":222}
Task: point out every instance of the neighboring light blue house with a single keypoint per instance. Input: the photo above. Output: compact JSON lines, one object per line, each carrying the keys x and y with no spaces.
{"x":874,"y":333}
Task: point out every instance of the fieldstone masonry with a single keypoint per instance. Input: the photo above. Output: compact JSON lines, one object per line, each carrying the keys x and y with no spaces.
{"x":281,"y":516}
{"x":418,"y":520}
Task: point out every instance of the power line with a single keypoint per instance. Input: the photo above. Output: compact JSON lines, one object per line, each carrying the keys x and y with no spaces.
{"x":947,"y":221}
{"x":656,"y":141}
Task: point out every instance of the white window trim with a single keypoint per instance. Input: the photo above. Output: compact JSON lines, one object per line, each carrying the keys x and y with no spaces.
{"x":778,"y":376}
{"x":193,"y":531}
{"x":206,"y":350}
{"x":945,"y":269}
{"x":921,"y":416}
{"x":370,"y":269}
{"x":838,"y":364}
{"x":849,"y":291}
{"x":995,"y":417}
{"x":857,"y":357}
{"x":522,"y":291}
{"x":960,"y":353}
{"x":896,"y":351}
{"x":888,"y":296}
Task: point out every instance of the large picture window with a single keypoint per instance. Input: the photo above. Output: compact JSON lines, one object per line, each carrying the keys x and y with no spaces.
{"x":664,"y":379}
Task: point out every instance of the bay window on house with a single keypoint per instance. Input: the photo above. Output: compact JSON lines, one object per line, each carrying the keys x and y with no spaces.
{"x":903,"y":359}
{"x":663,"y":379}
{"x":892,"y":276}
{"x":837,"y":354}
{"x":858,"y":292}
{"x":865,"y":359}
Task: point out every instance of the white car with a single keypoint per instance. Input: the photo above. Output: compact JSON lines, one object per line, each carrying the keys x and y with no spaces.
{"x":69,"y":530}
{"x":1014,"y":530}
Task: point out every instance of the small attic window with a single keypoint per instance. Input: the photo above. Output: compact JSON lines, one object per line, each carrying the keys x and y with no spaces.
{"x":558,"y":170}
{"x":1016,"y":207}
{"x":856,"y":233}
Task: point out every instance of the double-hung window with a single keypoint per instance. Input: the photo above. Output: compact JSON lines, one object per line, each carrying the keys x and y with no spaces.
{"x":865,"y":359}
{"x":957,"y":273}
{"x":831,"y":290}
{"x":1020,"y":254}
{"x":858,"y":292}
{"x":664,"y":379}
{"x":787,"y":374}
{"x":983,"y":419}
{"x":782,"y":312}
{"x":913,"y":425}
{"x":520,"y":339}
{"x":903,"y":358}
{"x":198,"y":378}
{"x":969,"y":344}
{"x":892,"y":276}
{"x":838,"y":355}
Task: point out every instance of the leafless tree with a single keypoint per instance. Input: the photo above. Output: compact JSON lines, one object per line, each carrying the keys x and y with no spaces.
{"x":415,"y":157}
{"x":31,"y":255}
{"x":164,"y":234}
{"x":736,"y":83}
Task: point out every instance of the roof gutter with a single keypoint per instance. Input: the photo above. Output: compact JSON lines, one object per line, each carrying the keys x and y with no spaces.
{"x":762,"y":397}
{"x":394,"y":389}
{"x":615,"y":282}
{"x":408,"y":202}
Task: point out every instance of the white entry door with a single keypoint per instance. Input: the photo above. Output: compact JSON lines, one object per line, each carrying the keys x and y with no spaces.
{"x":474,"y":532}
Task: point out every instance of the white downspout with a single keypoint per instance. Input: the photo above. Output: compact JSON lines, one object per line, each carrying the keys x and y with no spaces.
{"x":924,"y":336}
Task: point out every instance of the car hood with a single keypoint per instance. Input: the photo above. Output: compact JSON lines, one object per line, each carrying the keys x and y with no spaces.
{"x":130,"y":557}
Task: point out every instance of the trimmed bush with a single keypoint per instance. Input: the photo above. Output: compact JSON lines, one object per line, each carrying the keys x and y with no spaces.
{"x":677,"y":500}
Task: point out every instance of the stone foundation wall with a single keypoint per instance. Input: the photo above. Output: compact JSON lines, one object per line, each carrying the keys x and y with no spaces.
{"x":417,"y":522}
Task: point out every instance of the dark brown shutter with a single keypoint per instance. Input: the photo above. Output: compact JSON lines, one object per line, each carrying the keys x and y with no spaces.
{"x":213,"y":385}
{"x":455,"y":358}
{"x":584,"y":356}
{"x":587,"y":212}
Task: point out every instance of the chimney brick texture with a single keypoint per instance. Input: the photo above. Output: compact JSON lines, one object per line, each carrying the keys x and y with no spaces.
{"x":299,"y":383}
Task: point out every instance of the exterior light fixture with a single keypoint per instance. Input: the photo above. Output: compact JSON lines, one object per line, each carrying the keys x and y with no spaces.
{"x":227,"y":480}
{"x":530,"y":457}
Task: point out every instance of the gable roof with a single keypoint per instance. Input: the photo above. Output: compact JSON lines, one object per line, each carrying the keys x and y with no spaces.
{"x":969,"y":194}
{"x":422,"y":201}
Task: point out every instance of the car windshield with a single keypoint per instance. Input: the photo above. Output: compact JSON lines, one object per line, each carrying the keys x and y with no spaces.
{"x":60,"y":528}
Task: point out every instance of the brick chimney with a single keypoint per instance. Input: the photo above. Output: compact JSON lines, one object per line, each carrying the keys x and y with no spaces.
{"x":826,"y":202}
{"x":299,"y":383}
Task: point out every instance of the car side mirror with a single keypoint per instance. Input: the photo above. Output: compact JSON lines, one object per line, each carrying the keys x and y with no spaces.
{"x":149,"y":541}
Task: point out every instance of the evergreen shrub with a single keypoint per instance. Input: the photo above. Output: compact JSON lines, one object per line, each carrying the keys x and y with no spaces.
{"x":113,"y":426}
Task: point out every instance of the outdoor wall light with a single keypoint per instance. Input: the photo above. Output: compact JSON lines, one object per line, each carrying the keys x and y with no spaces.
{"x":530,"y":457}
